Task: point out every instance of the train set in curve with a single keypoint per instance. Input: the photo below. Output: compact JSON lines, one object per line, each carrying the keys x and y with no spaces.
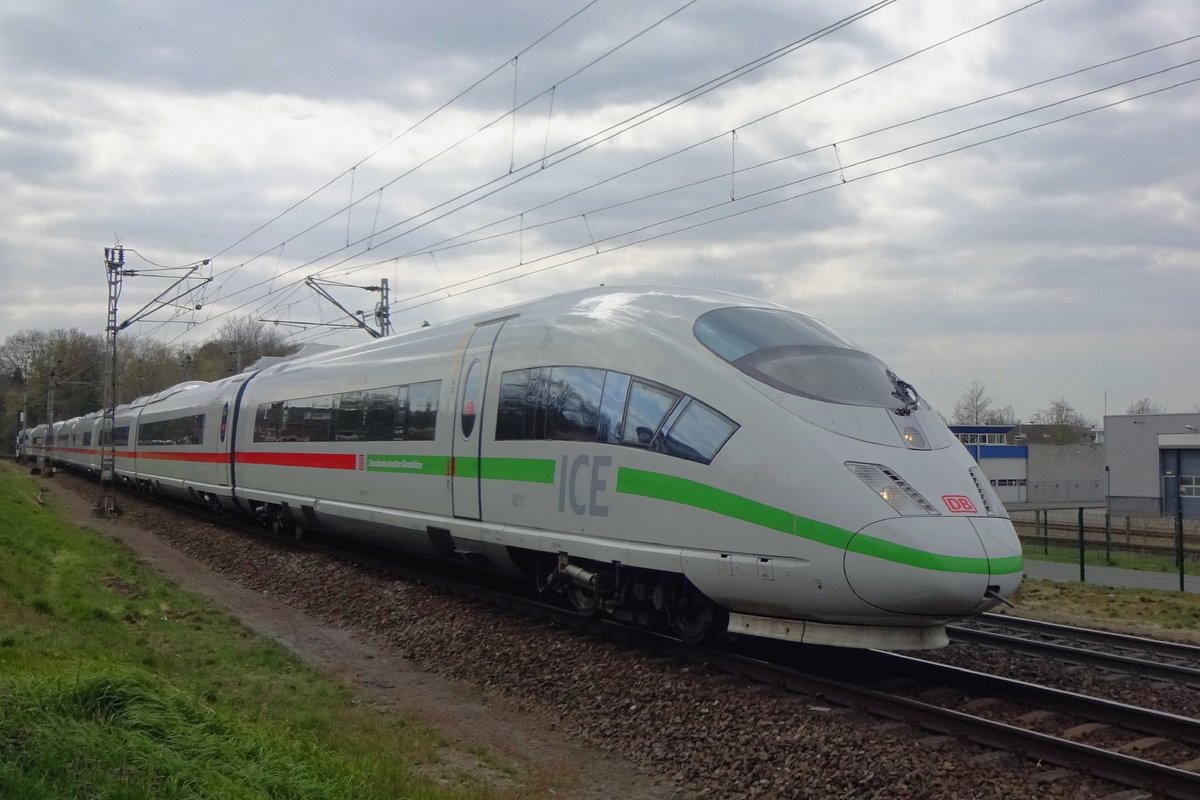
{"x":690,"y":459}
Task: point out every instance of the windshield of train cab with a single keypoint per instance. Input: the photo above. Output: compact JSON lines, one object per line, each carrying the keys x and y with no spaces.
{"x":796,"y":354}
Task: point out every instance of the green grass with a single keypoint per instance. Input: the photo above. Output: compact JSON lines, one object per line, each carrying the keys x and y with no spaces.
{"x":114,"y":684}
{"x":1143,"y":610}
{"x":1094,"y":554}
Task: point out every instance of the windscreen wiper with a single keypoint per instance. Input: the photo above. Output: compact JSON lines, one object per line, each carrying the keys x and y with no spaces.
{"x":906,"y":393}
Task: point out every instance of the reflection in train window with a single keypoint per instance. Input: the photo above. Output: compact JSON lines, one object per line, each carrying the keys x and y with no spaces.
{"x":309,"y":419}
{"x":648,"y":406}
{"x":390,"y":413}
{"x":520,"y":414}
{"x":379,"y":411}
{"x":186,"y":430}
{"x":573,"y":408}
{"x":612,"y":407}
{"x":421,"y":423}
{"x":697,"y":434}
{"x":595,"y":405}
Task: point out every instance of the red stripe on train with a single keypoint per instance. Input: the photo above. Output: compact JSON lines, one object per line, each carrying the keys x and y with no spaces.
{"x":317,"y":460}
{"x":277,"y":459}
{"x":169,"y":455}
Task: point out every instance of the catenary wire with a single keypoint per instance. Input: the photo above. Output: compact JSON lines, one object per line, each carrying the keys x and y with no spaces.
{"x":454,"y":145}
{"x":589,"y":245}
{"x":582,"y":145}
{"x":408,"y":130}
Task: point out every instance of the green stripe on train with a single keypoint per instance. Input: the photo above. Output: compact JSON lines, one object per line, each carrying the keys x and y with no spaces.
{"x":672,"y":489}
{"x":409,"y":465}
{"x":656,"y":486}
{"x":525,"y":470}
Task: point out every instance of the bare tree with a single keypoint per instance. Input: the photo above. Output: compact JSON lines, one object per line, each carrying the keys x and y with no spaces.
{"x":240,"y":342}
{"x":1067,"y":426}
{"x":31,"y":360}
{"x":974,"y":407}
{"x":1145,"y":406}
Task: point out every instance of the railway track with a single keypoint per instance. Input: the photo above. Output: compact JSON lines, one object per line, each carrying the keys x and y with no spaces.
{"x":1043,"y":724}
{"x":1036,"y":721}
{"x":1136,"y":655}
{"x":1077,"y":732}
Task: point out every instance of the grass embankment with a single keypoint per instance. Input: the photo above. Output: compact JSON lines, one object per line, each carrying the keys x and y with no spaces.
{"x":1149,"y":612}
{"x":114,"y":684}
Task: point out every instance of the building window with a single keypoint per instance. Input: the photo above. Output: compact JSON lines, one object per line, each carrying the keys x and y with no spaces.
{"x":1189,"y":485}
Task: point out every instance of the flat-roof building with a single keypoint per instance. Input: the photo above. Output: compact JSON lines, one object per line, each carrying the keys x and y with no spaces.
{"x":1153,"y":464}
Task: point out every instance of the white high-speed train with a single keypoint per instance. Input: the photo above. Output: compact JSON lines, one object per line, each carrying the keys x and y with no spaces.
{"x":686,"y":458}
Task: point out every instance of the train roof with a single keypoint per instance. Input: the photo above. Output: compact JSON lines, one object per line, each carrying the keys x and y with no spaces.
{"x":666,"y":311}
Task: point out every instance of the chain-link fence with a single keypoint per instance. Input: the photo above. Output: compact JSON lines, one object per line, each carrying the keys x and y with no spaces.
{"x":1090,"y":536}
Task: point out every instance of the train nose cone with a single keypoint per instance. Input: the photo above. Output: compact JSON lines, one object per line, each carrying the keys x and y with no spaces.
{"x":1003,"y":548}
{"x":928,"y":566}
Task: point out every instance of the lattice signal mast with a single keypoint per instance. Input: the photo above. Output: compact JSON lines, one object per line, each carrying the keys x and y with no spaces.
{"x":115,"y":271}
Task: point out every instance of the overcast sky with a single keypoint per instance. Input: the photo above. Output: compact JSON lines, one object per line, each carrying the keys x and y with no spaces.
{"x":652,"y":143}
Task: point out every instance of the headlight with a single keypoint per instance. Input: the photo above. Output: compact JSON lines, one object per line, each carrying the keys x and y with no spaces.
{"x":894,"y":490}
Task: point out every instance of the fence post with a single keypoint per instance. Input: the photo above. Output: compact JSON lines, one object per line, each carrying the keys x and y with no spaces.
{"x":1107,"y":537}
{"x":1179,"y":542}
{"x":1045,"y":531}
{"x":1082,"y":578}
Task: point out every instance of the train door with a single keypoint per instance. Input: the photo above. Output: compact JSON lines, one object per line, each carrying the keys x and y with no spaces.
{"x":467,"y":441}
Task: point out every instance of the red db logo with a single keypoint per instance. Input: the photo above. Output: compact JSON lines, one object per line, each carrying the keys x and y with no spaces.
{"x":958,"y":504}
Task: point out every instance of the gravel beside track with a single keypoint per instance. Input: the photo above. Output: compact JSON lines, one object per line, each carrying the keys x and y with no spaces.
{"x":1169,"y":696}
{"x":708,"y":734}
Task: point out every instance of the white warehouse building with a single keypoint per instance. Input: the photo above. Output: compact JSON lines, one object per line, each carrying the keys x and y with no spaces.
{"x":1153,"y":464}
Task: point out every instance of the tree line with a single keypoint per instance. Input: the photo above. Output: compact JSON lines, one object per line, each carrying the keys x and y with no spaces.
{"x":31,"y":361}
{"x":1064,"y":424}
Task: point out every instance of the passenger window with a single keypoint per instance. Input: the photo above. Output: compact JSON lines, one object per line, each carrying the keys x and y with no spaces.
{"x":348,"y":418}
{"x":513,"y":412}
{"x":648,"y":406}
{"x":698,"y":433}
{"x":470,"y":404}
{"x":379,"y":414}
{"x":309,"y":419}
{"x":268,"y":422}
{"x":523,"y":399}
{"x":612,"y":408}
{"x":421,"y":423}
{"x":573,"y":410}
{"x":398,"y":433}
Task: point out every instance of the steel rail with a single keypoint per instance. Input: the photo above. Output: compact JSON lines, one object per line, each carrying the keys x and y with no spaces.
{"x":1117,"y":767}
{"x":1076,"y":655}
{"x":1107,"y":638}
{"x":1144,"y":720}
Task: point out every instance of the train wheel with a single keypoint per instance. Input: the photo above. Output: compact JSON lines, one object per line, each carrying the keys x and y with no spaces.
{"x":582,"y":600}
{"x":697,"y":618}
{"x":281,"y":525}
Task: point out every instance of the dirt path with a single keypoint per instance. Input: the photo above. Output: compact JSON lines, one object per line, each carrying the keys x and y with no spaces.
{"x":466,"y":716}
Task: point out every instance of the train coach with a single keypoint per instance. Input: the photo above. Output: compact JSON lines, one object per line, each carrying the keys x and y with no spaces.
{"x":691,"y":459}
